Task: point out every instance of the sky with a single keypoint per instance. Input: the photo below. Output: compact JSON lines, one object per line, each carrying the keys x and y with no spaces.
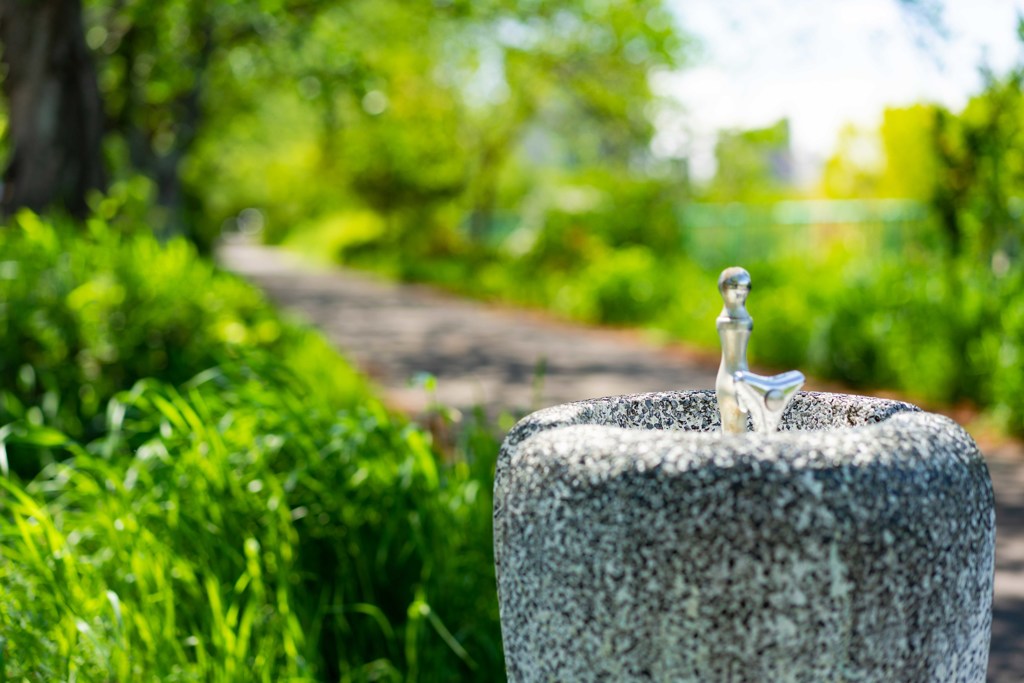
{"x":822,"y":64}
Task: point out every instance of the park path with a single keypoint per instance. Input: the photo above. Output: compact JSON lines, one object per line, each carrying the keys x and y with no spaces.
{"x":510,"y":360}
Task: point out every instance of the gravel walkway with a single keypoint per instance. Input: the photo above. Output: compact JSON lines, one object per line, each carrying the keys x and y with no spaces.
{"x":514,"y":361}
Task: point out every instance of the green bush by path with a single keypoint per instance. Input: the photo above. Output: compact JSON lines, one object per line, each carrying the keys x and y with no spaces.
{"x":84,"y":316}
{"x":939,"y":330}
{"x":265,"y":520}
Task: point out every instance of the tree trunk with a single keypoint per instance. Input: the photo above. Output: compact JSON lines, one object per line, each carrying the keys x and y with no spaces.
{"x":53,"y":100}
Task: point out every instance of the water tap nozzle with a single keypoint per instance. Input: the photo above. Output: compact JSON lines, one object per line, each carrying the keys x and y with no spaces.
{"x":740,"y":391}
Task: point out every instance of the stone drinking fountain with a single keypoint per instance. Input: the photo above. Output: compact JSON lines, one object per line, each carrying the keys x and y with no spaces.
{"x":653,"y":537}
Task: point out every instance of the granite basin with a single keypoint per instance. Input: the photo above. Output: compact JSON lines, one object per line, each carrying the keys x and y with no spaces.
{"x":635,"y":542}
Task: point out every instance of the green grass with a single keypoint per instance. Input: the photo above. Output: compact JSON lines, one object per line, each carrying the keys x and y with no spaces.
{"x":265,"y":520}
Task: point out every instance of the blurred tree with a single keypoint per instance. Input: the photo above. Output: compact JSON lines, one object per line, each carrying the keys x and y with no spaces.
{"x":853,"y":171}
{"x":153,"y":60}
{"x":753,"y":165}
{"x":156,"y":60}
{"x":430,"y":109}
{"x":54,"y":109}
{"x":969,"y":166}
{"x":910,"y":163}
{"x":897,"y":160}
{"x":400,"y":144}
{"x":980,"y":177}
{"x":152,"y":74}
{"x":566,"y":82}
{"x":419,"y":104}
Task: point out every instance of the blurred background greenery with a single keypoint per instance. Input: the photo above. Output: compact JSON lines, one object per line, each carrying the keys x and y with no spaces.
{"x":284,"y":524}
{"x":510,"y":149}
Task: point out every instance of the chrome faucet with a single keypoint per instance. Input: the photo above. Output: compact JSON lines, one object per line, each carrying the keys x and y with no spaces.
{"x":740,"y":391}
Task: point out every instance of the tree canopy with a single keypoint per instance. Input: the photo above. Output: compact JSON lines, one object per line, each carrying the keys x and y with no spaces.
{"x":401,"y":106}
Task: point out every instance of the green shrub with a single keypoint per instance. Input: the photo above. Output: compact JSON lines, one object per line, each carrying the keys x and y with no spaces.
{"x":266,"y":519}
{"x":618,"y":287}
{"x":84,"y":316}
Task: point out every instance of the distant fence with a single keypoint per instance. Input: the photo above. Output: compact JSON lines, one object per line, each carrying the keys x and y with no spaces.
{"x":716,"y":233}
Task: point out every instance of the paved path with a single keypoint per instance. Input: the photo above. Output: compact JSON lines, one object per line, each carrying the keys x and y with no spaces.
{"x":493,"y":357}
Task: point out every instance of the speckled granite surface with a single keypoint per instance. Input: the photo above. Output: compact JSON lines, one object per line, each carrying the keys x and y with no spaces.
{"x":633,"y":543}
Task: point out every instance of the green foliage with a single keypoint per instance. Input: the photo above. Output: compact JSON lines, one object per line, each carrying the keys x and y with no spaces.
{"x":752,"y":165}
{"x":898,"y":160}
{"x":981,"y":172}
{"x":158,"y":66}
{"x":428,"y":114}
{"x":615,"y":211}
{"x":908,"y":140}
{"x":265,"y":519}
{"x":616,"y":287}
{"x":411,"y":109}
{"x":84,"y":318}
{"x":853,"y":171}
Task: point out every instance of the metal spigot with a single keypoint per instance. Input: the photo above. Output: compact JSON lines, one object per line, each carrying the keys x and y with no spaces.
{"x":740,"y":391}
